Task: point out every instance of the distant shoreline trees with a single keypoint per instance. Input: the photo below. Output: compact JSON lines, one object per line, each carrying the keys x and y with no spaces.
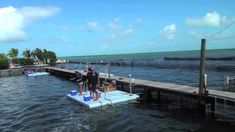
{"x":36,"y":56}
{"x":3,"y":61}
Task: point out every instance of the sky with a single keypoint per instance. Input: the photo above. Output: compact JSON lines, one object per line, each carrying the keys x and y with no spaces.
{"x":94,"y":27}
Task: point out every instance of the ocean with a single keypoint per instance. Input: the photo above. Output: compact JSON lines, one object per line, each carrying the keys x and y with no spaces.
{"x":31,"y":104}
{"x":40,"y":103}
{"x":181,"y":67}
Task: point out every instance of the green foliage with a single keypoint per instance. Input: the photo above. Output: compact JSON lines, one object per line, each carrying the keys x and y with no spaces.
{"x":38,"y":53}
{"x":27,"y":53}
{"x":52,"y":57}
{"x":3,"y":61}
{"x":23,"y":61}
{"x":49,"y":57}
{"x":13,"y":53}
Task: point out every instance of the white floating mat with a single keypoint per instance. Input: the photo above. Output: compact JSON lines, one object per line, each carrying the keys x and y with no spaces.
{"x":37,"y":74}
{"x":112,"y":97}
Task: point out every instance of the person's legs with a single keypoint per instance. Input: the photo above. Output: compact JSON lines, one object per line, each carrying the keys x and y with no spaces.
{"x":93,"y":92}
{"x":85,"y":86}
{"x":81,"y":88}
{"x":96,"y":92}
{"x":90,"y":89}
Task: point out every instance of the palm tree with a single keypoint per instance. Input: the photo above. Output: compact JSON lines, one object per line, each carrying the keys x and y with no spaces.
{"x":27,"y":53}
{"x":38,"y":53}
{"x":45,"y":55}
{"x":2,"y":55}
{"x":3,"y":61}
{"x":13,"y":53}
{"x":52,"y":57}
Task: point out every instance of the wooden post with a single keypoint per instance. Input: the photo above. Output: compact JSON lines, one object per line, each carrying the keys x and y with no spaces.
{"x":202,"y":87}
{"x":108,"y":66}
{"x":130,"y":84}
{"x":227,"y":83}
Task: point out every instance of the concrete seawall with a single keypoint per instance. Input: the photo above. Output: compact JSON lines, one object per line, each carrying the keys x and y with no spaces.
{"x":18,"y":71}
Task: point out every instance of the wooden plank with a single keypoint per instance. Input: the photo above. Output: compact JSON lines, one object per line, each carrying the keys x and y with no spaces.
{"x":185,"y":89}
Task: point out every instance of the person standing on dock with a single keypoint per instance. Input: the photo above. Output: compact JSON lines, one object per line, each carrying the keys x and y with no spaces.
{"x":79,"y":79}
{"x":88,"y":77}
{"x":94,"y":84}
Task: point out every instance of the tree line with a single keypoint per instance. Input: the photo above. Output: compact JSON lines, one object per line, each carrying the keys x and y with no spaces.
{"x":36,"y":55}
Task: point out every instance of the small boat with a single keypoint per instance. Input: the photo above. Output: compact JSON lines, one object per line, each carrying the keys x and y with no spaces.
{"x":36,"y":74}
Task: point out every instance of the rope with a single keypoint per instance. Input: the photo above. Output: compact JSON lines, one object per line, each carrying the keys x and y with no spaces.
{"x":221,"y":30}
{"x":231,"y":37}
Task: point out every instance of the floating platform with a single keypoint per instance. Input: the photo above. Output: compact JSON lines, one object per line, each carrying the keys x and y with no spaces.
{"x":37,"y":74}
{"x":107,"y":98}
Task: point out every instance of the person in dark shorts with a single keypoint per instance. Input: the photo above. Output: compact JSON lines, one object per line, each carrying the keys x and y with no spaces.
{"x":84,"y":80}
{"x":94,"y":84}
{"x":88,"y":77}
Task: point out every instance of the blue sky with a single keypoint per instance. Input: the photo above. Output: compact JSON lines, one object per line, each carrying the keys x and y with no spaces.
{"x":92,"y":27}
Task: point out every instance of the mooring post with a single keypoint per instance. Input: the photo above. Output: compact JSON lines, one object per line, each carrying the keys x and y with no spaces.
{"x":130,"y":81}
{"x":108,"y":69}
{"x":227,"y":83}
{"x":205,"y":80}
{"x":202,"y":85}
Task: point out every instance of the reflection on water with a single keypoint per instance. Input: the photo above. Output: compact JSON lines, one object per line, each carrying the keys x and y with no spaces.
{"x":39,"y":104}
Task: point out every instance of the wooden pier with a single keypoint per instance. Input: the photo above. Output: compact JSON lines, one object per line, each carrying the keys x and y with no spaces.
{"x":209,"y":99}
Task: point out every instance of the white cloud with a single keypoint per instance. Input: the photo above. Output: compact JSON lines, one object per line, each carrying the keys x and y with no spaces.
{"x":211,"y":19}
{"x":14,"y":20}
{"x":115,"y":24}
{"x":120,"y":36}
{"x":128,"y":32}
{"x":139,"y":22}
{"x":93,"y":27}
{"x":193,"y":33}
{"x":169,"y":31}
{"x":35,"y":13}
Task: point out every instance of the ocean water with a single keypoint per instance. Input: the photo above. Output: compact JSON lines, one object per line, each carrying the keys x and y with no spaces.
{"x":153,"y":66}
{"x":153,"y":55}
{"x":40,"y":104}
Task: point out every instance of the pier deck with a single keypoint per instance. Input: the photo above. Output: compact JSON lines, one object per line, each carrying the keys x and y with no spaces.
{"x":182,"y":89}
